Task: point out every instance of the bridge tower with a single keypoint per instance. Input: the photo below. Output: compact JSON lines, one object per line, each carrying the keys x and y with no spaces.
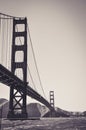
{"x":52,"y":98}
{"x":17,"y":105}
{"x":52,"y":113}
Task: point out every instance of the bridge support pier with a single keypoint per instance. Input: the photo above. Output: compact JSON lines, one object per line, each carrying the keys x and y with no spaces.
{"x":17,"y":105}
{"x":11,"y":115}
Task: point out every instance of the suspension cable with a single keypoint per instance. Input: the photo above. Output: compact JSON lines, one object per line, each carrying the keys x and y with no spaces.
{"x":8,"y":57}
{"x":3,"y":40}
{"x":10,"y":16}
{"x":7,"y":46}
{"x":0,"y":34}
{"x":31,"y":77}
{"x":10,"y":38}
{"x":35,"y":61}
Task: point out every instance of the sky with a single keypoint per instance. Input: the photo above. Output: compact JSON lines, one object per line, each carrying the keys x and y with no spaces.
{"x":58,"y":33}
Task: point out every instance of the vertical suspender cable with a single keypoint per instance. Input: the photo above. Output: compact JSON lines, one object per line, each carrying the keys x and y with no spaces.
{"x":7,"y":41}
{"x":5,"y":38}
{"x":9,"y":24}
{"x":1,"y":40}
{"x":4,"y":44}
{"x":7,"y":44}
{"x":0,"y":37}
{"x":3,"y":24}
{"x":10,"y":40}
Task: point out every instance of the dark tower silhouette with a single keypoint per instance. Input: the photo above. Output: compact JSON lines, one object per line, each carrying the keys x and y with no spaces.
{"x":17,"y":105}
{"x":52,"y":98}
{"x":52,"y":113}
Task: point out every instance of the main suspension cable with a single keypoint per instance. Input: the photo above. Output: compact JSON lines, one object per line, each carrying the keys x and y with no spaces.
{"x":35,"y":61}
{"x":31,"y":77}
{"x":10,"y":16}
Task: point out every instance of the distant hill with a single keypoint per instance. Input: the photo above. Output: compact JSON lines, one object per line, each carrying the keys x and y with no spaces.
{"x":33,"y":109}
{"x":2,"y":100}
{"x":38,"y":110}
{"x":69,"y":113}
{"x":4,"y":105}
{"x":59,"y":113}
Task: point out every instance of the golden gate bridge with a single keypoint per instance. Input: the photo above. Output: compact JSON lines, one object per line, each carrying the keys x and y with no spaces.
{"x":15,"y":72}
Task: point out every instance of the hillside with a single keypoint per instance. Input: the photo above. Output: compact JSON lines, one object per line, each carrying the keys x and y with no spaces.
{"x":38,"y":110}
{"x":33,"y":109}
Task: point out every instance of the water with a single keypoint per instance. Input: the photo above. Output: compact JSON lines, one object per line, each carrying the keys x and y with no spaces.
{"x":78,"y":123}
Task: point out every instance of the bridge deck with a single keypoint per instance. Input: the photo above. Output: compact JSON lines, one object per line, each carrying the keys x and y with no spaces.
{"x":9,"y":79}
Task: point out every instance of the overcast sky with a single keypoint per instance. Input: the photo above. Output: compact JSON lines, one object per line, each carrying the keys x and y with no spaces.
{"x":58,"y":32}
